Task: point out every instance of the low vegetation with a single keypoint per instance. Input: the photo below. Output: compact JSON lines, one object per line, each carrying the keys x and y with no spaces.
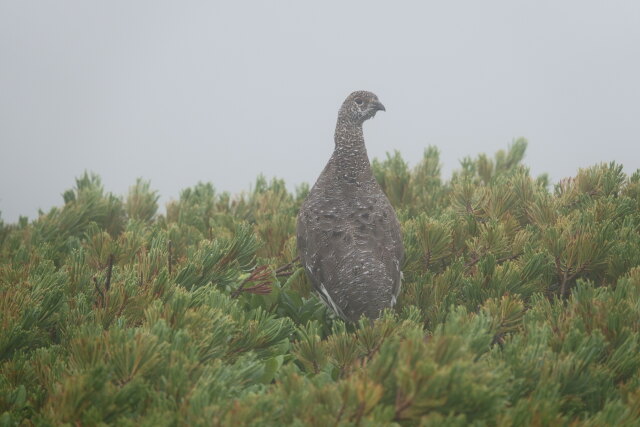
{"x":520,"y":306}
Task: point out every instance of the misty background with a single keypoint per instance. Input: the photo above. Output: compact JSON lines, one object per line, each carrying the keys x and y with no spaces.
{"x":181,"y":92}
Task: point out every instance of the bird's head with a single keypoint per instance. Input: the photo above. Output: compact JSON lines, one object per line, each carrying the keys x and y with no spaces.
{"x":360,"y":106}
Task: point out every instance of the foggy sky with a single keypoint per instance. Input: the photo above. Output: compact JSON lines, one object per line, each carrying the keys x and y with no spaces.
{"x":181,"y":92}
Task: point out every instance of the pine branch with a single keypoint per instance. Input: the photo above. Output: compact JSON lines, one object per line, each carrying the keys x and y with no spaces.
{"x":107,"y":283}
{"x":286,"y":270}
{"x":477,"y":258}
{"x":259,"y":274}
{"x":170,"y":257}
{"x":102,"y":294}
{"x":99,"y":291}
{"x":401,"y":405}
{"x":567,"y":278}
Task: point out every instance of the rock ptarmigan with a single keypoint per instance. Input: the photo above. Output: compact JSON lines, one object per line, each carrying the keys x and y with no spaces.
{"x":349,"y":238}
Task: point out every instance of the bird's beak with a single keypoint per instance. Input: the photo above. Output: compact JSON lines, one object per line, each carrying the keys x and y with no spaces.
{"x":378,"y":106}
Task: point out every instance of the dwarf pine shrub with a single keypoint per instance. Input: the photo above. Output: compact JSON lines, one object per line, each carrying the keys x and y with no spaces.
{"x":520,"y":306}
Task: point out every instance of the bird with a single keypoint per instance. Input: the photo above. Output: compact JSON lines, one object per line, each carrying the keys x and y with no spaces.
{"x":348,"y":235}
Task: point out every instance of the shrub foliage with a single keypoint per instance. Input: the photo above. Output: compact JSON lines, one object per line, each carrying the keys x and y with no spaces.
{"x":520,"y":306}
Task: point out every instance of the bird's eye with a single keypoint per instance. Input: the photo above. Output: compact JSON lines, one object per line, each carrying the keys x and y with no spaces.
{"x":358,"y":101}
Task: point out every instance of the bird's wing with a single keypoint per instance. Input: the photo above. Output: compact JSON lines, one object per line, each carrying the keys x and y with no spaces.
{"x":321,"y":257}
{"x":390,"y":248}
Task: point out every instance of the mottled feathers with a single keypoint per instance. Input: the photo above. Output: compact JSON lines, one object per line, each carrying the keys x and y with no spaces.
{"x":349,"y":238}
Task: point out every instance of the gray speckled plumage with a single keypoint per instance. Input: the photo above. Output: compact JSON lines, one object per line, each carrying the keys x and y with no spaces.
{"x":349,"y":238}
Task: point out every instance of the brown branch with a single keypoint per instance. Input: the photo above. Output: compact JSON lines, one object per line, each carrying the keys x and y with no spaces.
{"x":498,"y":339}
{"x":261,"y":288}
{"x":359,"y":413}
{"x":427,"y":259}
{"x":508,"y":258}
{"x":285,"y":270}
{"x":566,"y":278}
{"x":262,"y":278}
{"x":259,"y":274}
{"x":100,"y":292}
{"x":563,"y":285}
{"x":107,"y":283}
{"x":340,"y":413}
{"x":468,"y":207}
{"x":170,"y":257}
{"x":401,"y":405}
{"x":477,"y":258}
{"x":123,"y":305}
{"x":473,"y":262}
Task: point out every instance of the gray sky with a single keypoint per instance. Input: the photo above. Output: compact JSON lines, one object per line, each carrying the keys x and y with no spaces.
{"x":181,"y":92}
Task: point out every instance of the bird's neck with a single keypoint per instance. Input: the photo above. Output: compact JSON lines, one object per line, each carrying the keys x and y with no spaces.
{"x":350,"y":153}
{"x":348,"y":134}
